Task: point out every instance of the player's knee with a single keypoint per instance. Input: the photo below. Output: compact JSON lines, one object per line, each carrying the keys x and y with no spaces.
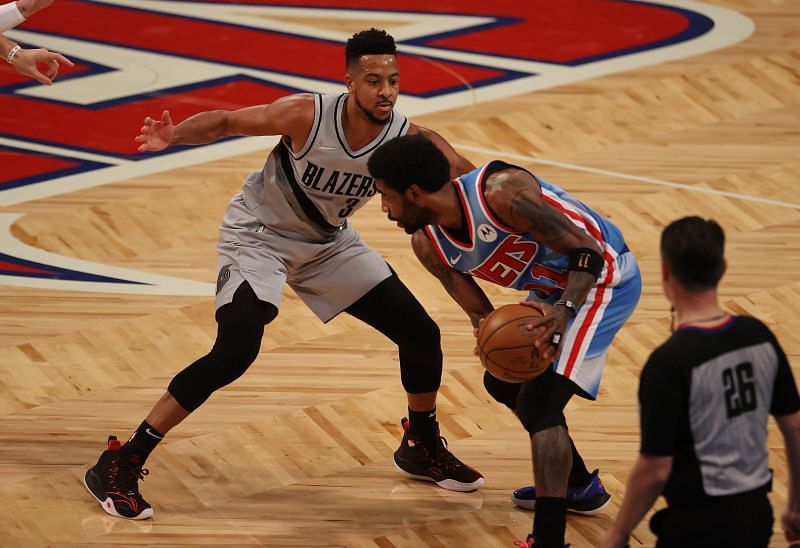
{"x":235,"y":349}
{"x":501,"y":391}
{"x":418,"y":331}
{"x":535,"y":419}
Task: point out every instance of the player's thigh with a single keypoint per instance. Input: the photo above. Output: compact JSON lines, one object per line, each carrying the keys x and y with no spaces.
{"x":246,"y":251}
{"x":340,"y":276}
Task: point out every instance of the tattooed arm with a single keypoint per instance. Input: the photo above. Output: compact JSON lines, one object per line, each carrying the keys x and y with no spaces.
{"x":460,"y":286}
{"x":516,"y":198}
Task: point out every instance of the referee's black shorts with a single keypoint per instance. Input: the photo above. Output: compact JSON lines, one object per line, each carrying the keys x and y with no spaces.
{"x":736,"y":521}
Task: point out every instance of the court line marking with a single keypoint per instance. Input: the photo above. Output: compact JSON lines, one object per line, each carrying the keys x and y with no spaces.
{"x":639,"y":178}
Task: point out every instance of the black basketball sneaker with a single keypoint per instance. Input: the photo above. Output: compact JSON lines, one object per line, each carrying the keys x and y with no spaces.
{"x":114,"y":482}
{"x":434,"y":462}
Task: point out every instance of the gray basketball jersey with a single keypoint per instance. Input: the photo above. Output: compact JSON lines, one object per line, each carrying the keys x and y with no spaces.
{"x":313,"y":192}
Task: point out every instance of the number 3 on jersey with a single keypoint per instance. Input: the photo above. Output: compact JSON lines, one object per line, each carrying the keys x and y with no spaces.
{"x":351,"y":203}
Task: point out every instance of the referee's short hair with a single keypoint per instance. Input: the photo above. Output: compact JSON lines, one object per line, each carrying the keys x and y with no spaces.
{"x":694,"y":250}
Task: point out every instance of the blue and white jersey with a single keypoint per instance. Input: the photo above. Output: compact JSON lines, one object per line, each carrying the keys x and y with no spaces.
{"x":502,"y":255}
{"x":507,"y":257}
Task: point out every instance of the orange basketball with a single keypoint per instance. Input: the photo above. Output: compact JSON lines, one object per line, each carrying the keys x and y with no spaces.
{"x":505,"y":345}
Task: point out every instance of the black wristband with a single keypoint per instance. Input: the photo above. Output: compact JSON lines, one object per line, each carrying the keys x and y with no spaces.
{"x":585,"y":259}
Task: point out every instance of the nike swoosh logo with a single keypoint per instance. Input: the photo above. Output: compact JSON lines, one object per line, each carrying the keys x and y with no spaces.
{"x":454,"y":260}
{"x":153,"y":434}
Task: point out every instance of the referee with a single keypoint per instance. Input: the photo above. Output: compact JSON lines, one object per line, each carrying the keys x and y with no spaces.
{"x":705,"y":396}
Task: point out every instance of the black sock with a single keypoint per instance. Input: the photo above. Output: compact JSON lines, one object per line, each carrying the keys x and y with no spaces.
{"x":423,"y":424}
{"x":579,"y":476}
{"x":550,"y":521}
{"x":142,"y":442}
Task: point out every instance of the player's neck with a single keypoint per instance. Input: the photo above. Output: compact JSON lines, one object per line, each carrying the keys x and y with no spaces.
{"x":449,"y":212}
{"x":359,"y":130}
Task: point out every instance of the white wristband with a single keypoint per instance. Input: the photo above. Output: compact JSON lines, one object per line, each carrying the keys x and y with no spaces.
{"x":10,"y":16}
{"x":12,"y":53}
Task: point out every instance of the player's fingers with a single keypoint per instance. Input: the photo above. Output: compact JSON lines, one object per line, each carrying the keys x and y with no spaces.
{"x":545,"y":337}
{"x":165,"y":119}
{"x":63,"y":60}
{"x":541,"y":307}
{"x":537,"y":323}
{"x":148,"y":121}
{"x":143,"y":147}
{"x":551,"y":352}
{"x":38,"y":76}
{"x":52,"y":69}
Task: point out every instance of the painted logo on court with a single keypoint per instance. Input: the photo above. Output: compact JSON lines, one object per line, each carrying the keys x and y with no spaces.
{"x":194,"y":56}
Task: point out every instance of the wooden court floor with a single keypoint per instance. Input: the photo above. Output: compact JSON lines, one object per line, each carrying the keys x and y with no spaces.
{"x":298,"y":452}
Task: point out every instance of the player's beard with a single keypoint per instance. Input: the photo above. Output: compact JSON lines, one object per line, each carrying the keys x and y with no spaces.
{"x":416,"y":217}
{"x":371,"y":117}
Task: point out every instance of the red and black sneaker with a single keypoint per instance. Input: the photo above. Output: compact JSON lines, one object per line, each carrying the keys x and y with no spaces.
{"x":435,"y":463}
{"x":114,"y":482}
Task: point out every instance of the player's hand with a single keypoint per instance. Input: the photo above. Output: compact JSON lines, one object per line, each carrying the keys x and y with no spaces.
{"x":29,"y":61}
{"x":790,"y":520}
{"x":156,"y":135}
{"x":554,"y":320}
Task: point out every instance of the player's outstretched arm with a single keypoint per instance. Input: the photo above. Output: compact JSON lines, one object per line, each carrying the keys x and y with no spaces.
{"x":461,"y":287}
{"x":291,"y":116}
{"x":790,"y":520}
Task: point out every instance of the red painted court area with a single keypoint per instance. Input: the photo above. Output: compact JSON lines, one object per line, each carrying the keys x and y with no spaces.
{"x":565,"y":32}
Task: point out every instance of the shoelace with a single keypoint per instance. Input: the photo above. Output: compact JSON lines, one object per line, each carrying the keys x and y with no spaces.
{"x":444,"y":458}
{"x":126,"y":475}
{"x":523,"y":544}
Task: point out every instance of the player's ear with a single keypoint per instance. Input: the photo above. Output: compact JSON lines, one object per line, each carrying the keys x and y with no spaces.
{"x":414,"y":192}
{"x":348,"y":81}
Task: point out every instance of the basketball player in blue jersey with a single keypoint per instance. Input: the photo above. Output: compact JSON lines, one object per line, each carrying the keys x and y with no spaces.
{"x":502,"y":224}
{"x":290,"y":225}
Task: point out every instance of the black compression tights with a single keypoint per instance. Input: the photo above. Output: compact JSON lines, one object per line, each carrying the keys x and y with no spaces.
{"x":390,"y":308}
{"x":241,"y":326}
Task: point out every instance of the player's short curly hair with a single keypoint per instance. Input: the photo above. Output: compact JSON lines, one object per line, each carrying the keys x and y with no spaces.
{"x":368,"y":42}
{"x":694,"y":249}
{"x":407,"y":160}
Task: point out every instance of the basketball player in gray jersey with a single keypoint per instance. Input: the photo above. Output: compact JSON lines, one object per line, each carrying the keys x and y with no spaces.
{"x":289,"y":226}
